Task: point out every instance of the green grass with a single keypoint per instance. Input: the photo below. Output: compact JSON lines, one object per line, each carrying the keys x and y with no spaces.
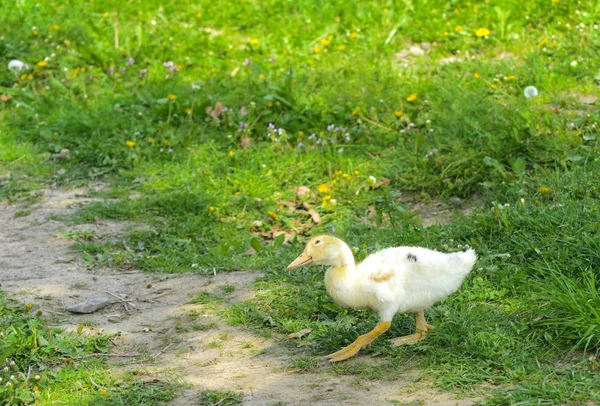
{"x":49,"y":366}
{"x":446,"y":118}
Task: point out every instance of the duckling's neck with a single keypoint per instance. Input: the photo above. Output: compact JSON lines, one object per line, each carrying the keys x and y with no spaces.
{"x":340,"y":280}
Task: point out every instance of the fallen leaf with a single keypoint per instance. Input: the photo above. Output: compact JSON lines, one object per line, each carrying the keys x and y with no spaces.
{"x":315,"y":216}
{"x":4,"y":97}
{"x":302,"y":190}
{"x":382,"y":181}
{"x":250,"y":251}
{"x":372,"y":212}
{"x":234,"y":71}
{"x":290,"y":203}
{"x":216,"y":111}
{"x":300,"y":333}
{"x":245,"y":142}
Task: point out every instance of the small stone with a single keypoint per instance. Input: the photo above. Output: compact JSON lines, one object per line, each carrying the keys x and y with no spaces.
{"x":89,"y":306}
{"x":456,"y":201}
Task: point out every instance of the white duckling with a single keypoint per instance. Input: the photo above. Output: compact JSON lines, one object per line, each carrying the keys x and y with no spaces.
{"x":393,"y":280}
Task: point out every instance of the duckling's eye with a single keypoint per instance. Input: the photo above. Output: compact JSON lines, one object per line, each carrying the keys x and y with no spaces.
{"x":317,"y":242}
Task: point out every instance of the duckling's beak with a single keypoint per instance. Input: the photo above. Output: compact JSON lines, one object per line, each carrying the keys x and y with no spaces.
{"x":301,"y":261}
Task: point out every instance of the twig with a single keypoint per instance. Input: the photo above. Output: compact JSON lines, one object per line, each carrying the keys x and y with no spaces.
{"x":161,"y":351}
{"x":28,"y":373}
{"x":100,"y":356}
{"x":125,"y":302}
{"x":218,"y":403}
{"x":376,"y":123}
{"x":96,"y":385}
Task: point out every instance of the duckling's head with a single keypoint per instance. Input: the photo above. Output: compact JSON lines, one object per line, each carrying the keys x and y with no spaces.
{"x":324,"y":250}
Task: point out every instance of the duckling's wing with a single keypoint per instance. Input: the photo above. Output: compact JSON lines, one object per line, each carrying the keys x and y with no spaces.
{"x":384,"y":265}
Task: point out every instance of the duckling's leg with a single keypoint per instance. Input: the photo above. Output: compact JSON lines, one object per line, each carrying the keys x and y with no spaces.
{"x":361,"y":342}
{"x":422,"y":327}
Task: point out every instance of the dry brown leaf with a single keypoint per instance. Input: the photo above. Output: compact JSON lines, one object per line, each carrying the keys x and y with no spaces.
{"x":245,"y":142}
{"x":250,"y":251}
{"x":372,"y":212}
{"x":216,"y":111}
{"x":382,"y":181}
{"x":315,"y":216}
{"x":300,"y":333}
{"x":302,"y":190}
{"x":4,"y":97}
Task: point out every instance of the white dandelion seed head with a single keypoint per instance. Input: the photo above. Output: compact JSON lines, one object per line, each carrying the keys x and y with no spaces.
{"x":530,"y":91}
{"x":16,"y":66}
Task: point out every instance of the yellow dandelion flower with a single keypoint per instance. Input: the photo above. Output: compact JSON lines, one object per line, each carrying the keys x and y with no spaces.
{"x":544,"y":190}
{"x":273,"y":215}
{"x":356,"y":173}
{"x":150,"y":140}
{"x":35,"y":389}
{"x":269,"y":104}
{"x":353,"y":35}
{"x":198,"y":15}
{"x":262,"y":77}
{"x":398,"y":113}
{"x":323,"y":188}
{"x":482,"y":32}
{"x":42,"y":64}
{"x":446,"y":33}
{"x":29,"y":305}
{"x":317,"y":50}
{"x":458,"y":28}
{"x":356,"y":111}
{"x":341,"y":47}
{"x":130,"y":143}
{"x":511,"y":77}
{"x":167,"y":143}
{"x":67,"y":42}
{"x":300,"y":133}
{"x":231,"y":153}
{"x":211,"y":208}
{"x":324,"y":42}
{"x":35,"y":32}
{"x":326,"y":198}
{"x":356,"y":95}
{"x":412,"y":97}
{"x":24,"y":76}
{"x":476,"y":75}
{"x":172,"y":97}
{"x":543,"y":42}
{"x":188,"y":111}
{"x":254,"y":42}
{"x":334,"y":182}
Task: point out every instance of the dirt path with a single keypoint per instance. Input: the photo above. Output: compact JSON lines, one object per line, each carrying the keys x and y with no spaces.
{"x":38,"y":265}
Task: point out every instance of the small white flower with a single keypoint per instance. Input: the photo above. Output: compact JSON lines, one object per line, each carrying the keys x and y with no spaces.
{"x":516,"y":36}
{"x":16,"y":66}
{"x":372,"y":179}
{"x":574,"y":63}
{"x":530,"y":91}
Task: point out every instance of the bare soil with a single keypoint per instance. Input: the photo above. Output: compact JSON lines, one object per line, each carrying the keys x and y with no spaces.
{"x":39,"y":265}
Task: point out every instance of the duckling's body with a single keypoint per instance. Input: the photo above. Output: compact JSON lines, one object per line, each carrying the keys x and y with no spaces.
{"x":394,"y":280}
